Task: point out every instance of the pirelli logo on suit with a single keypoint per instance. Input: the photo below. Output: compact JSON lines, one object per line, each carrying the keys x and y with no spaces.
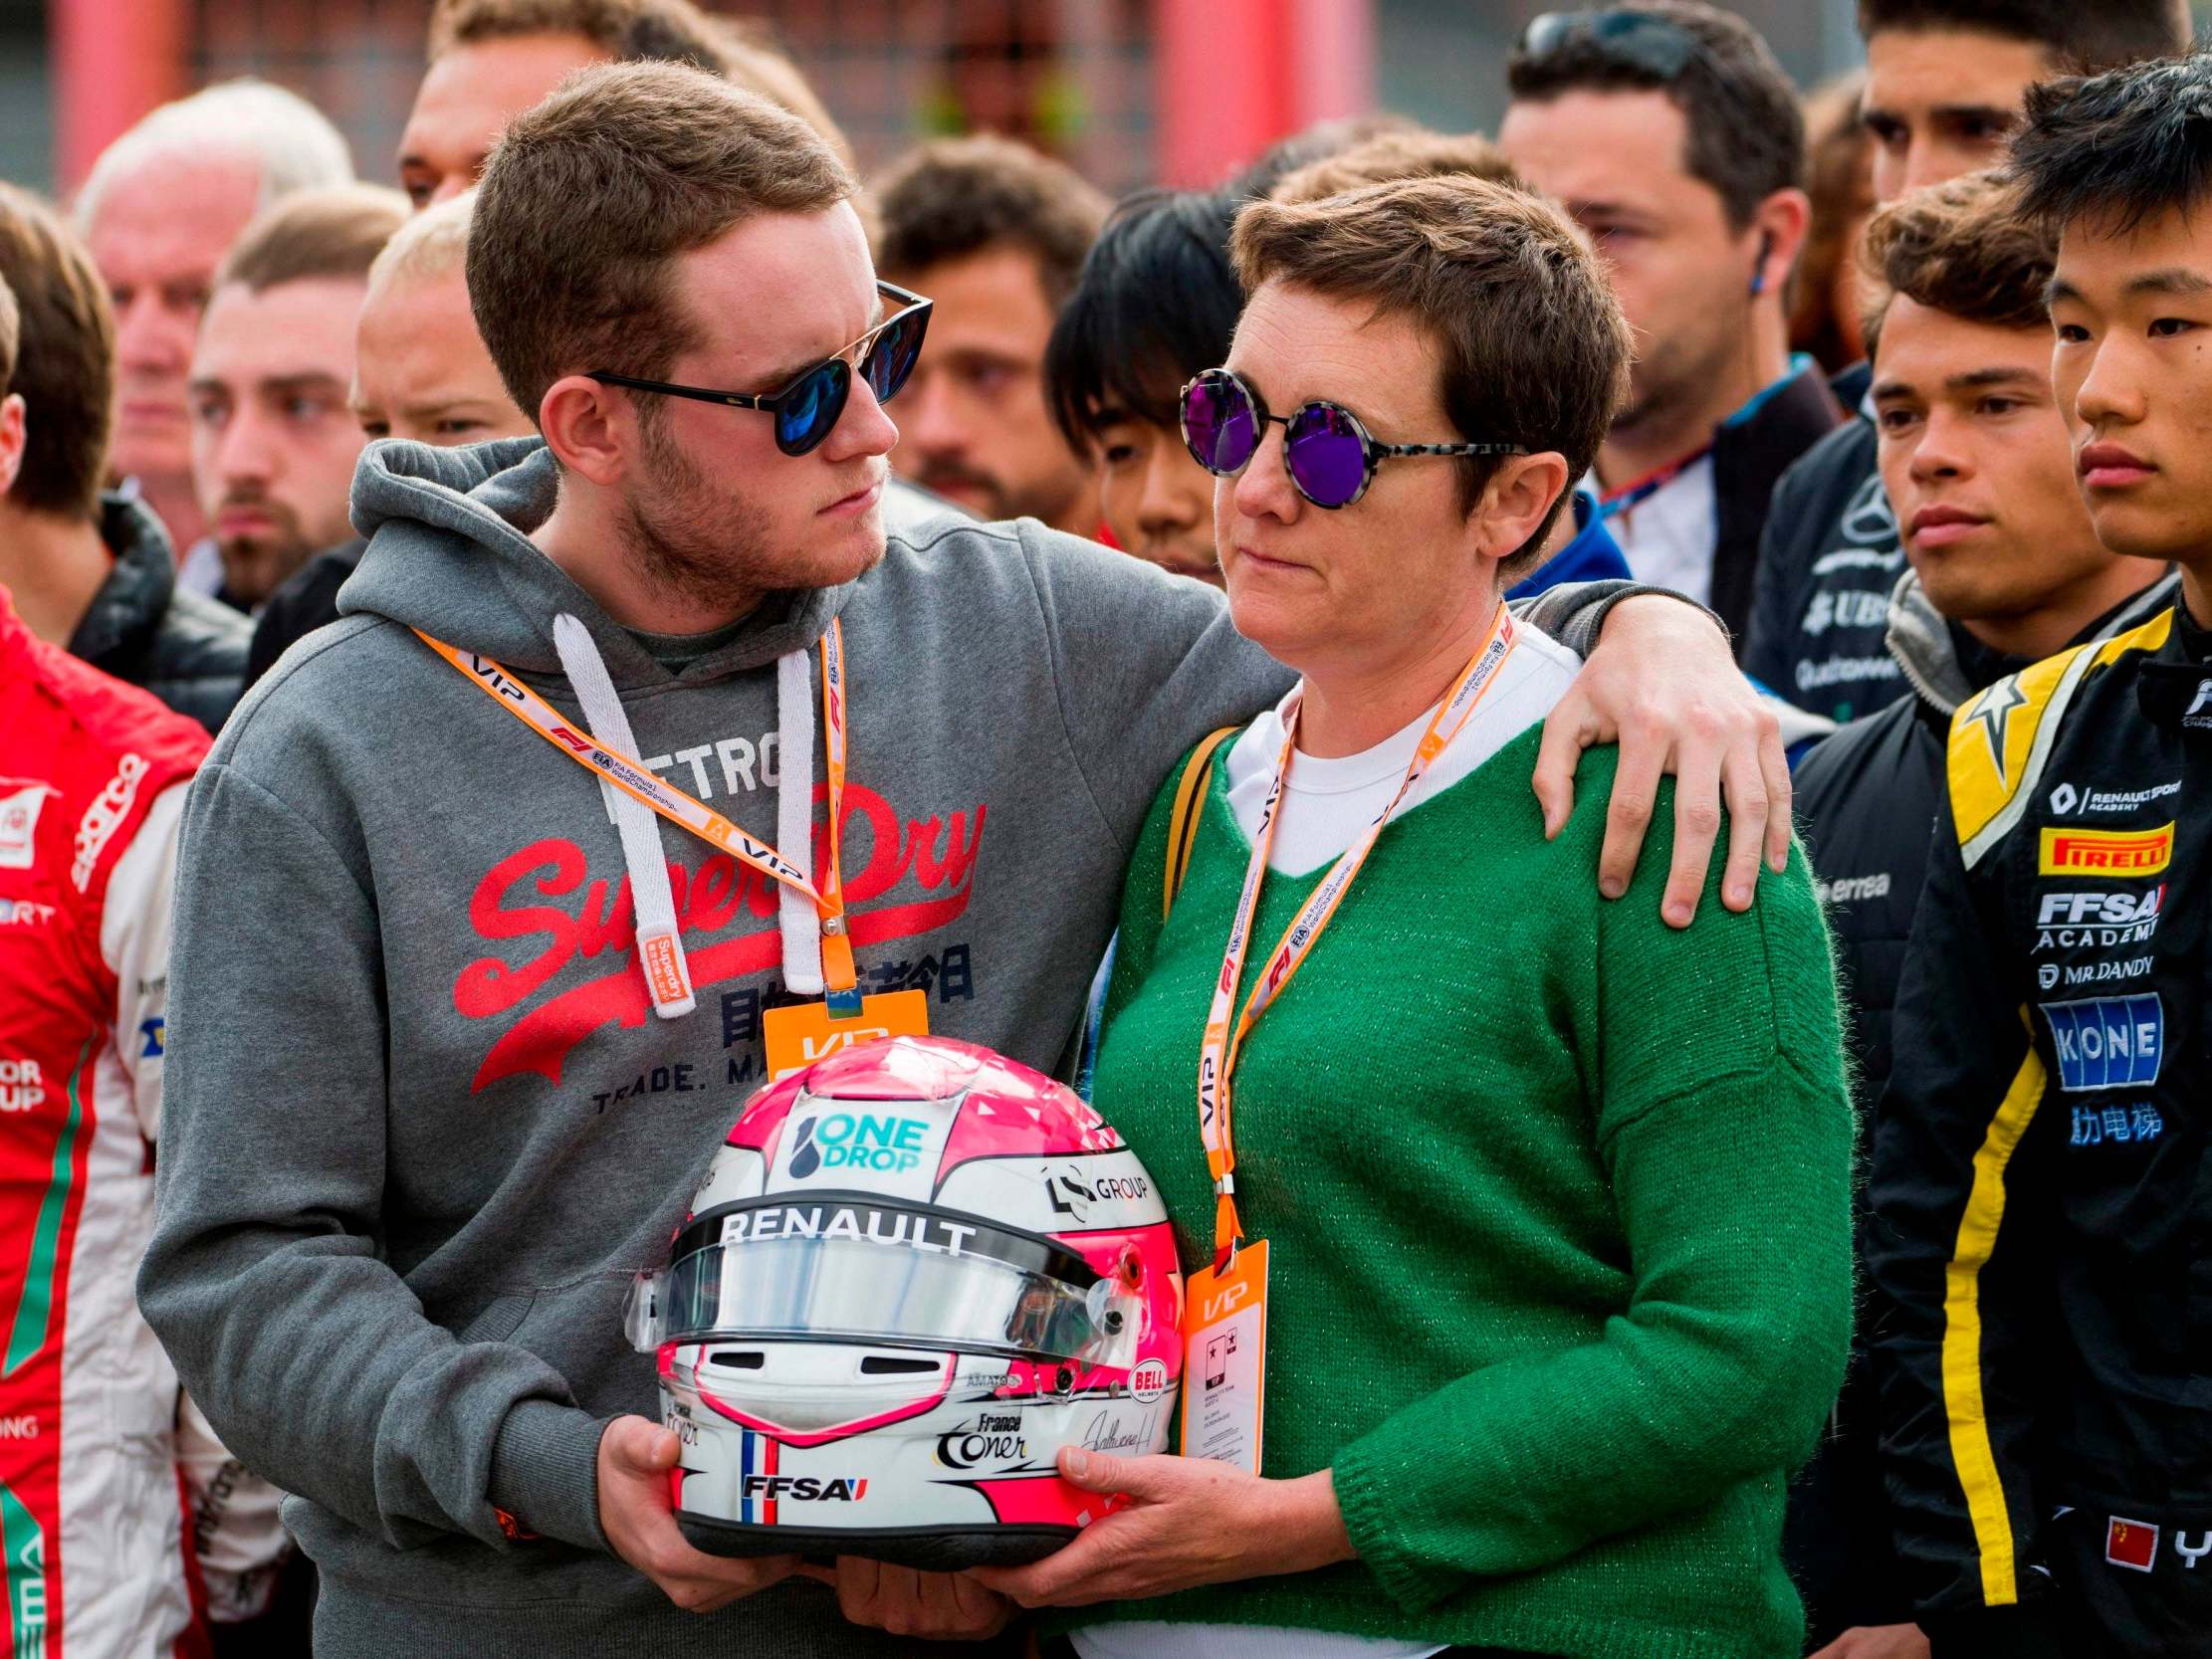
{"x":2119,"y":854}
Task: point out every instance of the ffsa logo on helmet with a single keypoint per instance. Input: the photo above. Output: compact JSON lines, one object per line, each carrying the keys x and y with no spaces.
{"x":807,"y":1489}
{"x":884,"y":1144}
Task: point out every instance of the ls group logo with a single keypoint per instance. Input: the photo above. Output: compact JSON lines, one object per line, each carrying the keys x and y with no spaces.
{"x":2107,"y":1042}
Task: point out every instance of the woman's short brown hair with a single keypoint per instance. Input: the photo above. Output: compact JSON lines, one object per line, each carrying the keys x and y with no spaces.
{"x":1965,"y":247}
{"x":1532,"y":349}
{"x":589,"y":196}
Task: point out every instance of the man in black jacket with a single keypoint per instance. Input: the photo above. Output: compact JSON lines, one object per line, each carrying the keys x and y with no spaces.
{"x":2005,"y":568}
{"x":1944,"y":80}
{"x":93,"y":572}
{"x":1674,"y":138}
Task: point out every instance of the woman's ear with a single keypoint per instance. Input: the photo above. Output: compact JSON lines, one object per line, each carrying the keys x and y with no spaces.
{"x":1515,"y":499}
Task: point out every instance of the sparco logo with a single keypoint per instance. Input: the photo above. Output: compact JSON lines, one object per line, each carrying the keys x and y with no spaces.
{"x":98,"y":827}
{"x":992,"y":1438}
{"x":856,"y":1141}
{"x":807,"y":1489}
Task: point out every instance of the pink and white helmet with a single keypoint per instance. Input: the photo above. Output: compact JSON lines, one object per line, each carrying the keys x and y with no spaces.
{"x":915,"y":1271}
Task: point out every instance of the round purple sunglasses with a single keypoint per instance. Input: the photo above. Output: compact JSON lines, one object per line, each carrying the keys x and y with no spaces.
{"x":1328,"y":452}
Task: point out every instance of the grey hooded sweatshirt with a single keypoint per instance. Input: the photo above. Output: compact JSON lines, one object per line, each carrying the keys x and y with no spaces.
{"x":422,"y":1120}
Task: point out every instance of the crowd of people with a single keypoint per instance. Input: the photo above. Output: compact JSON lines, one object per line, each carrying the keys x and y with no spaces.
{"x":1702,"y":686}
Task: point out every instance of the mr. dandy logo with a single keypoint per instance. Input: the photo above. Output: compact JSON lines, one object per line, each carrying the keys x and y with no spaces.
{"x":868,"y":1141}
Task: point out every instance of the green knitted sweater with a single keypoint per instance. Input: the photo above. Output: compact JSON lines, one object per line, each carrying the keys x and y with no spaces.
{"x":1557,"y":1202}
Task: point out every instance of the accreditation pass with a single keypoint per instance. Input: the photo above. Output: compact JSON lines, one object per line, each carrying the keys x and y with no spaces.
{"x":1225,"y":1360}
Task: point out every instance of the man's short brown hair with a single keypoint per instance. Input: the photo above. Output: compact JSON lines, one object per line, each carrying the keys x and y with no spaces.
{"x":665,"y":159}
{"x":954,"y":197}
{"x":1532,"y":349}
{"x":1393,"y":156}
{"x":1746,"y":130}
{"x":1965,"y":247}
{"x":317,"y":233}
{"x":646,"y":31}
{"x":65,"y":357}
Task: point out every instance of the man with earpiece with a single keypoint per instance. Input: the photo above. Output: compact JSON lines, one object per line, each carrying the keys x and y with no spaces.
{"x":1674,"y":138}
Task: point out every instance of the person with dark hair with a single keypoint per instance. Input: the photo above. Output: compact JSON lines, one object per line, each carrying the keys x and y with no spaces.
{"x":1945,"y":83}
{"x":103,"y":1559}
{"x":2036,"y":1187}
{"x":1156,"y":303}
{"x":1599,"y":1286}
{"x":2005,"y":568}
{"x":492,"y":59}
{"x":92,"y":569}
{"x":994,"y":233}
{"x":431,"y":1112}
{"x":274,"y":440}
{"x":1674,"y":138}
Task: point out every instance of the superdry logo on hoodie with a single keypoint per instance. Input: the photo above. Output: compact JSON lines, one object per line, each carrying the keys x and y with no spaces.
{"x":541,"y":910}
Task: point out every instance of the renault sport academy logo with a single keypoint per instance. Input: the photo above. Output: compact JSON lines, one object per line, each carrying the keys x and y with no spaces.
{"x":2107,"y":1042}
{"x":2114,"y":853}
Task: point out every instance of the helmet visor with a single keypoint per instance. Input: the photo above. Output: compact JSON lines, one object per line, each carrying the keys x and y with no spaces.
{"x":830,"y":1268}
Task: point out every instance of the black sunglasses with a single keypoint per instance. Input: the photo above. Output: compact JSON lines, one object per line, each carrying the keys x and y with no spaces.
{"x":1326,"y":448}
{"x":807,"y":410}
{"x":1656,"y":45}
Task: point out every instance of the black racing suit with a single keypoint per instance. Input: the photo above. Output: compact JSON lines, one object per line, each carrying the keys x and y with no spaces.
{"x":2039,"y":1195}
{"x":1866,"y":799}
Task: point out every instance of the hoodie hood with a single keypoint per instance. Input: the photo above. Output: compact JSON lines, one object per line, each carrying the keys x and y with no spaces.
{"x":449,"y":552}
{"x":1920,"y":638}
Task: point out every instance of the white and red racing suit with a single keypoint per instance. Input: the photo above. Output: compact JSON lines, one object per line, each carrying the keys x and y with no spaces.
{"x":113,"y":1493}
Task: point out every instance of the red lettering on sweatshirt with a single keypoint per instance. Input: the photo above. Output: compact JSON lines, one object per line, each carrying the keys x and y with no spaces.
{"x":581,"y":917}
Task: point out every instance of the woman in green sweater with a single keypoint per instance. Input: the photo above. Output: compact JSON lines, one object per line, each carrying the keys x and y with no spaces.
{"x":1554,"y":1199}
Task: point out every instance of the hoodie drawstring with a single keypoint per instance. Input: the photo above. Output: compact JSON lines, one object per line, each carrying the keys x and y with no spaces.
{"x":651,"y":898}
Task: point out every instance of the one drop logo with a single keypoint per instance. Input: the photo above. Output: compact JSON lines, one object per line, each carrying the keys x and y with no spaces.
{"x":877,"y":1142}
{"x":807,"y":1154}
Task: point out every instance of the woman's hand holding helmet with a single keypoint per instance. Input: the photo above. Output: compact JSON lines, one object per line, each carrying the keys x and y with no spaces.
{"x":1189,"y":1522}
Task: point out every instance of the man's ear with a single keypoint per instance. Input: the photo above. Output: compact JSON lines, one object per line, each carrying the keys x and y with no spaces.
{"x":1777,"y":233}
{"x":14,"y":433}
{"x":591,"y":429}
{"x":1515,"y":500}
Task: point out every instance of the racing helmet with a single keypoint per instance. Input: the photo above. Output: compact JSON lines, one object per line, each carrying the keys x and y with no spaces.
{"x":916,"y":1270}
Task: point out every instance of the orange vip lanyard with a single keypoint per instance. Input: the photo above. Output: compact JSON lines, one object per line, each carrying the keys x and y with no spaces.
{"x":841,"y":976}
{"x":1219,"y":1051}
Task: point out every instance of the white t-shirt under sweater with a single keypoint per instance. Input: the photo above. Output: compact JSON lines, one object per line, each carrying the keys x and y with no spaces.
{"x":1326,"y":806}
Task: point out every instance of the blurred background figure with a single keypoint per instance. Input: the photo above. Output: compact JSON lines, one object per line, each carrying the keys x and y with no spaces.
{"x":274,"y":438}
{"x":1674,"y":138}
{"x":420,"y":372}
{"x":994,"y":233}
{"x":1946,"y":79}
{"x":1839,"y":180}
{"x":93,"y":570}
{"x":158,"y":210}
{"x":490,"y":59}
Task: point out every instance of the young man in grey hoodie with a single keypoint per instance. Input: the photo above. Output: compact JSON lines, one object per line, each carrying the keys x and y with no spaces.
{"x":427,"y":1114}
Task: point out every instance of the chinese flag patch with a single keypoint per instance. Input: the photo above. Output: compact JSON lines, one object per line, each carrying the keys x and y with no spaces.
{"x":2131,"y":1544}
